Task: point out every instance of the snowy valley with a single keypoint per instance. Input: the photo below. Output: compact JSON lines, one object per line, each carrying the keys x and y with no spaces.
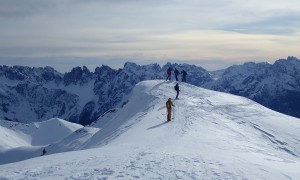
{"x":213,"y":135}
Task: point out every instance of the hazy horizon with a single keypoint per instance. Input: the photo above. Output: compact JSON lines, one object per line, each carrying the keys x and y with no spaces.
{"x":212,"y":34}
{"x":66,"y":64}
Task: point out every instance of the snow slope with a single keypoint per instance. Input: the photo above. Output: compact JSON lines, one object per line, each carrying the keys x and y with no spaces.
{"x":213,"y":136}
{"x":22,"y":141}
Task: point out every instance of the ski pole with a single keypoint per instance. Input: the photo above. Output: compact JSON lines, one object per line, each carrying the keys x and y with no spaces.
{"x":173,"y":113}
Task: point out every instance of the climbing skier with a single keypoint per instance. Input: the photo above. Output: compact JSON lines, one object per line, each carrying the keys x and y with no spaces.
{"x":169,"y":73}
{"x":183,"y":72}
{"x":176,"y":72}
{"x":169,"y":105}
{"x":176,"y":87}
{"x":44,"y":152}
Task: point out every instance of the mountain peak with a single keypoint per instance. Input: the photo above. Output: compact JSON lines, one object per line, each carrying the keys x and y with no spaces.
{"x":292,"y":58}
{"x":130,"y":64}
{"x":82,"y":96}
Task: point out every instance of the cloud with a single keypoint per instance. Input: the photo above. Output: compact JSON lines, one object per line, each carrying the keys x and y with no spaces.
{"x":275,"y":23}
{"x":25,"y":8}
{"x":228,"y":30}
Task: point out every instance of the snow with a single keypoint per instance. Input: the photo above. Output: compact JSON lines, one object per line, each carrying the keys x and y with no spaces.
{"x":24,"y":112}
{"x":85,"y":92}
{"x":11,"y":139}
{"x":213,"y":136}
{"x":72,"y":142}
{"x":52,"y":130}
{"x":2,"y":91}
{"x":23,"y":141}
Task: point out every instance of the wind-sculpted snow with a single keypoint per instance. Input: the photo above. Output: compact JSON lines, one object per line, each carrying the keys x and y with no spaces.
{"x":23,"y":141}
{"x":213,"y":136}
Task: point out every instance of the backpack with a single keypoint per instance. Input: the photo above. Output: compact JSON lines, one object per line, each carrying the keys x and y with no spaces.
{"x":176,"y":88}
{"x":168,"y":105}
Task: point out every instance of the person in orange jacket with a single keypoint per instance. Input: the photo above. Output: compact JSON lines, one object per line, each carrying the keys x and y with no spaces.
{"x":169,"y":105}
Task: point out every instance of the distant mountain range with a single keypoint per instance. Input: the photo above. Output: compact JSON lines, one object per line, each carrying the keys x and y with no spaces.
{"x":81,"y":96}
{"x":276,"y":86}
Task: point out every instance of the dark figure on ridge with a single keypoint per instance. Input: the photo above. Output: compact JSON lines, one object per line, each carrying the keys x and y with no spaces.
{"x":44,"y":152}
{"x":176,"y":72}
{"x":169,"y":73}
{"x":176,"y":87}
{"x":183,"y":75}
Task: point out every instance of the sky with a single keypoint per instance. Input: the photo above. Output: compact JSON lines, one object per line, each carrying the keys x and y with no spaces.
{"x":213,"y":34}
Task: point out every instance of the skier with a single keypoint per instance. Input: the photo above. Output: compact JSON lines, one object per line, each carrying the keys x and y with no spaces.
{"x":169,"y":105}
{"x":176,"y":87}
{"x":169,"y":73}
{"x":183,"y":75}
{"x":44,"y":152}
{"x":176,"y":72}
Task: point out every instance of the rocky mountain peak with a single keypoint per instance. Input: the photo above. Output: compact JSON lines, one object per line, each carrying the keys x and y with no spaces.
{"x":82,"y":96}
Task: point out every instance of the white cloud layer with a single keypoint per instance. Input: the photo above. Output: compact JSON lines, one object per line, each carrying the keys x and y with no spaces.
{"x":224,"y":30}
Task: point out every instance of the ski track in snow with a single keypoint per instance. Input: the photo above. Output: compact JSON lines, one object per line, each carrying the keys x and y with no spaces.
{"x":145,"y":165}
{"x":212,"y":136}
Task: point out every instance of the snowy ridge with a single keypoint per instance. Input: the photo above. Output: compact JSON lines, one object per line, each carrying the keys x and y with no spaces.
{"x":22,"y":141}
{"x":213,"y":136}
{"x":72,"y":142}
{"x":80,"y":96}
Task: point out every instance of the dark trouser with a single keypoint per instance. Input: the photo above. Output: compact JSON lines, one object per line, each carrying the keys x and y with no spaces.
{"x":169,"y":77}
{"x":183,"y":79}
{"x":177,"y":94}
{"x":169,"y":114}
{"x":176,"y":77}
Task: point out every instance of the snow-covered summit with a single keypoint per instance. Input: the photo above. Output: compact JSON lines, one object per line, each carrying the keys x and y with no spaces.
{"x":34,"y":134}
{"x":20,"y":141}
{"x":213,"y":136}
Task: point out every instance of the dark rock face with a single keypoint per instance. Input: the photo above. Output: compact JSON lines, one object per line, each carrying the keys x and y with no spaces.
{"x":275,"y":86}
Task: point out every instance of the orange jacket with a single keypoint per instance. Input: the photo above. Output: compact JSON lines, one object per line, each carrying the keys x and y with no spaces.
{"x":169,"y":104}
